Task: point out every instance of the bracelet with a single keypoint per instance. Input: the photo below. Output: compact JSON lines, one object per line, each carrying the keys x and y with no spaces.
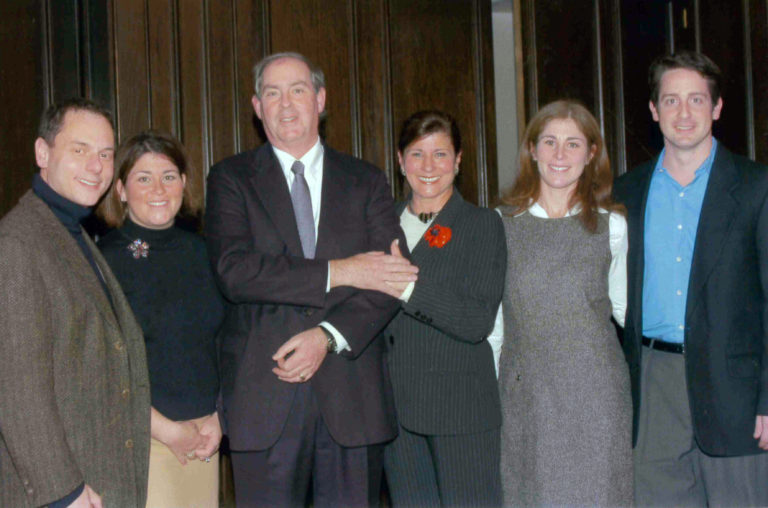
{"x":331,"y":344}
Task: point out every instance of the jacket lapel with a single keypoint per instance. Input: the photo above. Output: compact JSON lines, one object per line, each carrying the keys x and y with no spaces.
{"x":715,"y":219}
{"x":422,"y":252}
{"x":332,"y":226}
{"x":70,"y":253}
{"x":272,"y":190}
{"x":636,"y":204}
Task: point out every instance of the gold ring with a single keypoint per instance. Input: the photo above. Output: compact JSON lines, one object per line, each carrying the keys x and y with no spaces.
{"x":301,"y":376}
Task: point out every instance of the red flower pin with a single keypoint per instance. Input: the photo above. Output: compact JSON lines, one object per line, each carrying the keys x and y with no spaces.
{"x":437,"y":236}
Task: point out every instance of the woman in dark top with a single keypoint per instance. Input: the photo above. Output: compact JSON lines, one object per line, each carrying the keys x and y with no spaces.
{"x":441,"y":365}
{"x":166,"y":276}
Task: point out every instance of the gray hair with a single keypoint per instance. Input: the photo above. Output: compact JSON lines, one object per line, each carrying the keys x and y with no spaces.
{"x":315,"y":73}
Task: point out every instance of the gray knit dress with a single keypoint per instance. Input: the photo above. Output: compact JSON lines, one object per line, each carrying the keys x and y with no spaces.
{"x":567,"y":413}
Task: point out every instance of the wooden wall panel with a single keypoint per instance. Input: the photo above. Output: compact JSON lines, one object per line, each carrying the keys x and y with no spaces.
{"x":131,"y":67}
{"x":420,"y":82}
{"x":375,"y":91}
{"x":559,"y":59}
{"x":162,"y":51}
{"x":304,"y":26}
{"x":192,"y":90}
{"x":22,"y":95}
{"x":250,"y":46}
{"x":221,"y":77}
{"x":184,"y":66}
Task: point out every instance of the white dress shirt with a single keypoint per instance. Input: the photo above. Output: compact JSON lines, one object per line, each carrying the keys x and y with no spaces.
{"x":617,"y":272}
{"x":313,"y":174}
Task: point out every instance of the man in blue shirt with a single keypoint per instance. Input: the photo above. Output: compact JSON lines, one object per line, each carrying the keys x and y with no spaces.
{"x":696,"y":334}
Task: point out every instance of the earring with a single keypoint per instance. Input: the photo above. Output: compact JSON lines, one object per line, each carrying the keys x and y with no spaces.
{"x":402,"y":170}
{"x":456,"y":170}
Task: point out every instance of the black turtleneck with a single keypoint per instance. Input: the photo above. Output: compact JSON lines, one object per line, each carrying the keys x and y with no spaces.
{"x":71,"y":215}
{"x":174,"y":297}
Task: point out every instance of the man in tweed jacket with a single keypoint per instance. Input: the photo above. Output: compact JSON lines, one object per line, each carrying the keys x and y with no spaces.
{"x":74,"y":391}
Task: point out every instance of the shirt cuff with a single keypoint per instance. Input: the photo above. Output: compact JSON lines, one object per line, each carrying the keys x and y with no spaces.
{"x":328,"y":281}
{"x":408,"y":292}
{"x":69,"y":498}
{"x":341,"y":342}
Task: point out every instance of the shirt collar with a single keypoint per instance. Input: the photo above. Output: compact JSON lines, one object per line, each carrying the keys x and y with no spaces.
{"x":701,"y":171}
{"x":311,"y":160}
{"x":538,"y":211}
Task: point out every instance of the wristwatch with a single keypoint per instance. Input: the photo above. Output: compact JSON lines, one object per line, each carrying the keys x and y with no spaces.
{"x":331,"y":345}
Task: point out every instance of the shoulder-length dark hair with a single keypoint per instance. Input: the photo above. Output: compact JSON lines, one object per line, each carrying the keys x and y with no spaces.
{"x":112,"y":209}
{"x":593,"y":190}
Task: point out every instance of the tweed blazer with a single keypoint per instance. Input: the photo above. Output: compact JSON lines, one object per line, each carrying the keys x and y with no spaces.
{"x":74,"y":390}
{"x":726,"y":314}
{"x":440,"y":362}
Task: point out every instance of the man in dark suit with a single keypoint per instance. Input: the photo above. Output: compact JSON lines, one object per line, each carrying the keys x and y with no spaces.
{"x":74,"y":389}
{"x":696,"y":333}
{"x":305,"y":389}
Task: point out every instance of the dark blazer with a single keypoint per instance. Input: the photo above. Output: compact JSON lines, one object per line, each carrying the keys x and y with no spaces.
{"x":74,"y":391}
{"x":276,"y":293}
{"x":726,"y":335}
{"x":442,"y":367}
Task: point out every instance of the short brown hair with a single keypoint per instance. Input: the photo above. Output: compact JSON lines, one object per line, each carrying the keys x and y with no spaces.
{"x":690,"y":60}
{"x":112,"y":209}
{"x":53,"y":117}
{"x":593,"y":190}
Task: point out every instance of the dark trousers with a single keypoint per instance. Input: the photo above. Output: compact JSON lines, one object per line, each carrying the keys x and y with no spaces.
{"x":306,"y":453}
{"x":457,"y":470}
{"x":670,"y":469}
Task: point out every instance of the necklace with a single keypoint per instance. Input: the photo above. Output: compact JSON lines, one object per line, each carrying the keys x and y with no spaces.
{"x":424,"y":217}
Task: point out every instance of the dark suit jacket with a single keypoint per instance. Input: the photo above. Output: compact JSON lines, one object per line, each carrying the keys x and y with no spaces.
{"x":74,"y":390}
{"x":442,"y":367}
{"x":726,"y":335}
{"x":276,"y":293}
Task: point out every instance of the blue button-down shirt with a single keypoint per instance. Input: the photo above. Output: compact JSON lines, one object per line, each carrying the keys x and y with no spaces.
{"x":671,"y":218}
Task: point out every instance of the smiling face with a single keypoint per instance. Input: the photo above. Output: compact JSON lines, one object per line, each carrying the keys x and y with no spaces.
{"x":289,"y":107}
{"x":430,"y":164}
{"x":685,"y":111}
{"x":153,"y":191}
{"x":561,"y":153}
{"x":79,"y":164}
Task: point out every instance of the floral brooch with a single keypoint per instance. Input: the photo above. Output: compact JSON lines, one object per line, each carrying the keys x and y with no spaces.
{"x":437,"y":236}
{"x":139,"y":248}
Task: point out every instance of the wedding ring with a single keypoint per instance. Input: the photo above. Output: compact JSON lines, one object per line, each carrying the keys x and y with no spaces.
{"x":301,"y":376}
{"x":207,"y":459}
{"x":191,"y":455}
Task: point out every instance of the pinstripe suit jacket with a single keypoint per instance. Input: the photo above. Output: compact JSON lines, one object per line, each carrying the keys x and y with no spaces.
{"x":74,"y":391}
{"x":441,"y":366}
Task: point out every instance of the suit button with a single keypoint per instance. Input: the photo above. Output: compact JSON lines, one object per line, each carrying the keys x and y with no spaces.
{"x":129,"y":444}
{"x":125,"y":393}
{"x":30,"y":491}
{"x":119,"y":346}
{"x":517,"y":378}
{"x":309,"y":312}
{"x":26,"y":483}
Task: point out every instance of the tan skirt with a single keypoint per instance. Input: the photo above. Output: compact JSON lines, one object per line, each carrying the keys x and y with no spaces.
{"x":172,"y":485}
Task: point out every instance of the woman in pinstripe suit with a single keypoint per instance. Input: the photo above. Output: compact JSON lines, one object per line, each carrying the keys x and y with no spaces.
{"x":442,"y":367}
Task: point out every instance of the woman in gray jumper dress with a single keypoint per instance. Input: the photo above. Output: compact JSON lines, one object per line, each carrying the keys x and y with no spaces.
{"x":565,"y":393}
